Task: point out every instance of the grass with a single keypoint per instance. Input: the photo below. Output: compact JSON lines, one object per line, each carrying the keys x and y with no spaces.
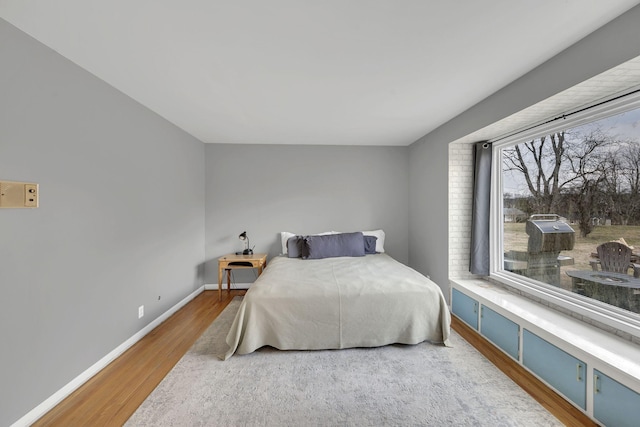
{"x":516,"y":238}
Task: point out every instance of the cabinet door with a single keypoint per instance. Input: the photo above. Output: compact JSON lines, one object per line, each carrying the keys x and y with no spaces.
{"x":465,"y":307}
{"x":613,"y":403}
{"x":558,"y":368}
{"x":501,"y":331}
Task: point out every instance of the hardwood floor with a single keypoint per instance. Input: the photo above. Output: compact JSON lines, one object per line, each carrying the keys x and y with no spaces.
{"x":111,"y":396}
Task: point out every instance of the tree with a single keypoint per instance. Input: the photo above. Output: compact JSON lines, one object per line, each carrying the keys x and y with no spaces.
{"x":630,"y":160}
{"x":591,"y":165}
{"x":583,"y":168}
{"x":539,"y":161}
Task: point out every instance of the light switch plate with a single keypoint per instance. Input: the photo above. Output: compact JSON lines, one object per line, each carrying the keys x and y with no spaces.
{"x":15,"y":194}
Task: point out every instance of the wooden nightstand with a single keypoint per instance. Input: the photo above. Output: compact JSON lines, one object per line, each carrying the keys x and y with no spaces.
{"x":233,"y":261}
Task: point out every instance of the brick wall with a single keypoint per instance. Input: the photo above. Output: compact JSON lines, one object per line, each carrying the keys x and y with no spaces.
{"x":460,"y":204}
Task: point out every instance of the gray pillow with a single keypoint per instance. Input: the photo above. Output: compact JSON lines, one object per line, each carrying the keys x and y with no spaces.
{"x":334,"y":245}
{"x":296,"y":247}
{"x":370,"y":244}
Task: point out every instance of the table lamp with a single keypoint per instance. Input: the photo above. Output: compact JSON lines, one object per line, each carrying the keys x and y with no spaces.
{"x":243,"y":236}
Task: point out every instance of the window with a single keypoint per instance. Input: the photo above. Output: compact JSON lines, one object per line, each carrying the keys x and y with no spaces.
{"x":562,"y":190}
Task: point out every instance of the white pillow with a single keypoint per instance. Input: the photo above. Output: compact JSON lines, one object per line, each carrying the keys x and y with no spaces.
{"x":380,"y":242}
{"x":285,"y":236}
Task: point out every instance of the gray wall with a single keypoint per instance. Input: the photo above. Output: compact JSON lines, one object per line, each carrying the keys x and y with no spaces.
{"x":266,"y":189}
{"x":611,"y":45}
{"x":121,"y":220}
{"x":123,"y":201}
{"x":428,"y":214}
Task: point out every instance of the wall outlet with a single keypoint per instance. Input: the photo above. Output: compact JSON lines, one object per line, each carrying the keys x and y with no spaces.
{"x":140,"y":311}
{"x":31,"y":195}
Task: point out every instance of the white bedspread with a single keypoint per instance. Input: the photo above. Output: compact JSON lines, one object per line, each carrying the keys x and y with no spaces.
{"x":336,"y":303}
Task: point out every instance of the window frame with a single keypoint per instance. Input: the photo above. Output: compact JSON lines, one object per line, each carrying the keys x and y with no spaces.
{"x":594,"y":310}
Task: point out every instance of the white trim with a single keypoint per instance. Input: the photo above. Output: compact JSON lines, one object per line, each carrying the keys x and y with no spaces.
{"x":617,"y":105}
{"x":496,"y":220}
{"x":37,"y":412}
{"x":607,"y":315}
{"x":592,"y":309}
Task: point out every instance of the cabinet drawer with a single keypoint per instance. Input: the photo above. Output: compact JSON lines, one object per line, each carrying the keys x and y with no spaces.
{"x":465,"y":307}
{"x":613,"y":403}
{"x":558,"y":368}
{"x":501,"y":331}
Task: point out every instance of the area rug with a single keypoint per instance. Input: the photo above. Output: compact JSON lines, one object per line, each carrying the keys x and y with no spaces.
{"x":396,"y":385}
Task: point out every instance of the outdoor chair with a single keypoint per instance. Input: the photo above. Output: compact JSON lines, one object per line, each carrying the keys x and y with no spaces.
{"x":615,"y":257}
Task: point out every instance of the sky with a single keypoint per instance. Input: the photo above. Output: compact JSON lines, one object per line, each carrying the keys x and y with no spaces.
{"x":623,"y":126}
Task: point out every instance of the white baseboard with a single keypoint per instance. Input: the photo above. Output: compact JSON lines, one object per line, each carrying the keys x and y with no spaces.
{"x":37,"y":412}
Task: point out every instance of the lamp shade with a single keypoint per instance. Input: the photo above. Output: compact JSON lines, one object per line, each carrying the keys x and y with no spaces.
{"x":243,"y":236}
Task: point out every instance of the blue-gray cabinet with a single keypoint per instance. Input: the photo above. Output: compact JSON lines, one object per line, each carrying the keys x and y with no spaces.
{"x":465,"y":307}
{"x":501,"y":331}
{"x":558,"y":368}
{"x":614,"y":404}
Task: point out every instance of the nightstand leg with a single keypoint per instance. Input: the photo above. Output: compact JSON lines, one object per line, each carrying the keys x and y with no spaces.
{"x":219,"y":284}
{"x":228,"y":270}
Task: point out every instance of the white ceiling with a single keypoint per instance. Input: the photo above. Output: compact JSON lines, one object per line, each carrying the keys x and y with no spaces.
{"x":359,"y":72}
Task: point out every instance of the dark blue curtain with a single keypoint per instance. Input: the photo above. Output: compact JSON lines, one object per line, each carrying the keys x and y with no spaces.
{"x":479,"y":260}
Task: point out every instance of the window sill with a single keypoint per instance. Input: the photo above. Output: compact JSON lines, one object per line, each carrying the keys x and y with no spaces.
{"x":610,"y":319}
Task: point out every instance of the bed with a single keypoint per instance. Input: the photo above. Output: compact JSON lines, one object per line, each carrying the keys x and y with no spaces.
{"x":336,"y":303}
